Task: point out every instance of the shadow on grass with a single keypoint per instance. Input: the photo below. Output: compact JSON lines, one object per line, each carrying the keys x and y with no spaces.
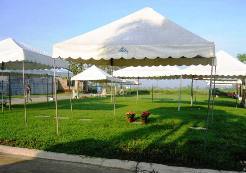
{"x":223,"y":146}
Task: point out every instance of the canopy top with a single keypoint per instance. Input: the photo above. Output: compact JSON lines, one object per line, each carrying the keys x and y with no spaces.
{"x":13,"y":52}
{"x":141,"y":38}
{"x":226,"y":65}
{"x":94,"y":74}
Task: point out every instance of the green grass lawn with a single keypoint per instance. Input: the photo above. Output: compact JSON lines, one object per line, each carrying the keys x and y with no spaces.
{"x":92,"y":129}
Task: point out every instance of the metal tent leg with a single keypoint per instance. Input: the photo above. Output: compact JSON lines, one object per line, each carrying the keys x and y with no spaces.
{"x":191,"y":92}
{"x":10,"y":92}
{"x":56,"y":105}
{"x":213,"y":95}
{"x":24,"y":90}
{"x":209,"y":94}
{"x":180,"y":90}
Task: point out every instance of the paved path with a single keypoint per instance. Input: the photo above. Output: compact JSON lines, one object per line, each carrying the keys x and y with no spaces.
{"x":21,"y":164}
{"x":39,"y":98}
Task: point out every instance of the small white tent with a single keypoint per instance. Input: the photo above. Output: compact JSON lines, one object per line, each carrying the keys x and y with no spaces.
{"x":94,"y":74}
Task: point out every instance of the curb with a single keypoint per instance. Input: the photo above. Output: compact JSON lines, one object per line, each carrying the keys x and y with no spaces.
{"x":112,"y":163}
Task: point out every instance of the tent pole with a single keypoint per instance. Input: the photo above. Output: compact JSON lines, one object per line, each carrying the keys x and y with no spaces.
{"x":236,"y":93}
{"x":47,"y":88}
{"x":213,"y":95}
{"x":243,"y":87}
{"x":209,"y":93}
{"x":191,"y":92}
{"x":2,"y":87}
{"x":152,"y":93}
{"x":24,"y":90}
{"x":56,"y":112}
{"x":180,"y":86}
{"x":10,"y":93}
{"x":114,"y":97}
{"x":137,"y":89}
{"x":2,"y":96}
{"x":112,"y":74}
{"x":69,"y":89}
{"x":195,"y":91}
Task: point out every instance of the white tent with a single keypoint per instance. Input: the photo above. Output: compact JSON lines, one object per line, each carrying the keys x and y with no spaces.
{"x":13,"y":53}
{"x":226,"y":67}
{"x":142,"y":38}
{"x":94,"y":74}
{"x":148,"y":72}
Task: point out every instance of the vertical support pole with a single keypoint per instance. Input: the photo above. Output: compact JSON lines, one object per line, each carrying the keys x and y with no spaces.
{"x":52,"y":87}
{"x":236,"y":93}
{"x":2,"y":93}
{"x":243,"y":101}
{"x":180,"y":86}
{"x":10,"y":92}
{"x":56,"y":106}
{"x":2,"y":88}
{"x":191,"y":92}
{"x":68,"y":79}
{"x":209,"y":93}
{"x":69,"y":89}
{"x":112,"y":73}
{"x":47,"y":88}
{"x":137,"y":89}
{"x":213,"y":94}
{"x":152,"y":93}
{"x":24,"y":90}
{"x":114,"y":98}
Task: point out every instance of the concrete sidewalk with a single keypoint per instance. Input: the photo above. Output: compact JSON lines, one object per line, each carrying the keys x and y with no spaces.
{"x":20,"y":164}
{"x":124,"y":165}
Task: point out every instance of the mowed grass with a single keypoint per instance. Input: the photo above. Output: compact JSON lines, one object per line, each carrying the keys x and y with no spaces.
{"x":92,"y":129}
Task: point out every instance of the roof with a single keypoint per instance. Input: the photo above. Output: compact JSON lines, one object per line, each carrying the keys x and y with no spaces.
{"x":141,"y":38}
{"x":226,"y":66}
{"x":12,"y":52}
{"x":94,"y":74}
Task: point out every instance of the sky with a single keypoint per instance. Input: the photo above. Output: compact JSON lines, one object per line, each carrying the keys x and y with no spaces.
{"x":41,"y":23}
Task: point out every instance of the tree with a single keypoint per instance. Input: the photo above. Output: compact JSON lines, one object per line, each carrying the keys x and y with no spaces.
{"x":242,"y":57}
{"x":76,"y":67}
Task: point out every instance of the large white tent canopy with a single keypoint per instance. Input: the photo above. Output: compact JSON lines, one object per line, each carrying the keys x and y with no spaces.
{"x":94,"y":73}
{"x":143,"y":38}
{"x":226,"y":66}
{"x":12,"y":53}
{"x":148,"y":72}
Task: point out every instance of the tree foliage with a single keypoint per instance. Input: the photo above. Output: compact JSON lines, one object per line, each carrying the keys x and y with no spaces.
{"x":76,"y":67}
{"x":242,"y":57}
